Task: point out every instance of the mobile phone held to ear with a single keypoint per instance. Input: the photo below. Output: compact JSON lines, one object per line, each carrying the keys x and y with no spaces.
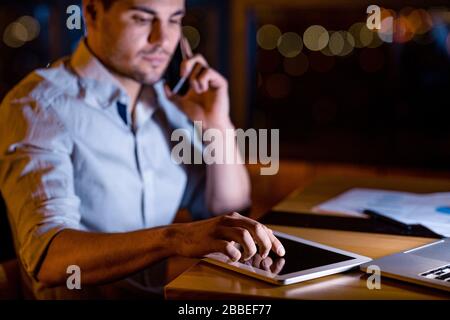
{"x":179,"y":85}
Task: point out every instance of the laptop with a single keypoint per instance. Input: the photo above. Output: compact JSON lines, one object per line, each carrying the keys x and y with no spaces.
{"x":428,"y":265}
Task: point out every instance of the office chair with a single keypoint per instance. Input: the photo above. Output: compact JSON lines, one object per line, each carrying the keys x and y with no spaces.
{"x":10,"y":284}
{"x":6,"y":241}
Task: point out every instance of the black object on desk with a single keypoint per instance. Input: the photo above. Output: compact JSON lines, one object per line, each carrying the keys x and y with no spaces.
{"x":377,"y":216}
{"x":372,"y":225}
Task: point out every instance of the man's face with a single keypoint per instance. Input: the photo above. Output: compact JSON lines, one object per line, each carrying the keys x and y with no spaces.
{"x":137,"y":38}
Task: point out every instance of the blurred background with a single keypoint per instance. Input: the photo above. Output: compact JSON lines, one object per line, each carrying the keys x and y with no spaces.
{"x":337,"y":91}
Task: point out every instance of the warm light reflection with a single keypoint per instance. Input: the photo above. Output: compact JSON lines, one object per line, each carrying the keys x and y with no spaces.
{"x":31,"y":25}
{"x":420,"y":20}
{"x":290,"y":44}
{"x":341,"y":43}
{"x":403,"y":31}
{"x":267,"y":36}
{"x":316,"y":38}
{"x":336,"y":44}
{"x":15,"y":35}
{"x":24,"y":29}
{"x":386,"y":32}
{"x":192,"y":35}
{"x":410,"y":23}
{"x":363,"y":37}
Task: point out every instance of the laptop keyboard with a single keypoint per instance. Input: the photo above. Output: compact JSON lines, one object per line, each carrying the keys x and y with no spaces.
{"x":442,"y":273}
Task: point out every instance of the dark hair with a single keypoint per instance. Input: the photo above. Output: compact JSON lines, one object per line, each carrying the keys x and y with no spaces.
{"x":107,"y":3}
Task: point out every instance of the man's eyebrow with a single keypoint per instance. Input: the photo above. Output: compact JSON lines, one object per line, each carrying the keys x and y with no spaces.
{"x":180,"y":12}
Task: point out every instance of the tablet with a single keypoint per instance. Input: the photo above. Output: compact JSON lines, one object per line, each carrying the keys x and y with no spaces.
{"x":304,"y":260}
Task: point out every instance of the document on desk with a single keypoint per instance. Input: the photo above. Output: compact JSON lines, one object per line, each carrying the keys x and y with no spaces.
{"x":432,"y":210}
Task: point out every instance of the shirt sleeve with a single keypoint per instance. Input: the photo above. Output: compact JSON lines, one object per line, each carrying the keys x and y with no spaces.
{"x":36,"y":178}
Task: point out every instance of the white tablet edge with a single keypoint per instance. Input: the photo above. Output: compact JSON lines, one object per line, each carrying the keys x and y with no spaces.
{"x":294,"y":277}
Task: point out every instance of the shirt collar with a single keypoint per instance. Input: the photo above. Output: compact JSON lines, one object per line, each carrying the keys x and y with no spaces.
{"x":98,"y":86}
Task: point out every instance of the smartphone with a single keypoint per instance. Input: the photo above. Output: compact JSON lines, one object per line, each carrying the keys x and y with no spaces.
{"x":172,"y":75}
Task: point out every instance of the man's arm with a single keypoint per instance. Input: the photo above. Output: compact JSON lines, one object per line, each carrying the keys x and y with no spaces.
{"x":106,"y":257}
{"x":102,"y":257}
{"x":227,"y":184}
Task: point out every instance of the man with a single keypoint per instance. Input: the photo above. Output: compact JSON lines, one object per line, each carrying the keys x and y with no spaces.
{"x":85,"y":164}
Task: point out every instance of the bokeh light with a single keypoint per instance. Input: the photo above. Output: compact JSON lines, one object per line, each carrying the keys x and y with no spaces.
{"x":376,"y":40}
{"x":316,"y":38}
{"x":336,"y":43}
{"x":386,"y":32}
{"x":296,"y":66}
{"x":349,"y":43}
{"x":361,"y":34}
{"x":31,"y":25}
{"x":290,"y":44}
{"x":326,"y":51}
{"x":403,"y":31}
{"x":192,"y":35}
{"x":420,"y":20}
{"x":15,"y":35}
{"x":341,"y":43}
{"x":24,"y":29}
{"x":267,"y":36}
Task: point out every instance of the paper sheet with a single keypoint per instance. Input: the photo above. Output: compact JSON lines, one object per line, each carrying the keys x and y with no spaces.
{"x":432,"y":210}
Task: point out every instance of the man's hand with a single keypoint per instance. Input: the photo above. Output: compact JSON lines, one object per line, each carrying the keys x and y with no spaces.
{"x":220,"y":234}
{"x":207,"y":99}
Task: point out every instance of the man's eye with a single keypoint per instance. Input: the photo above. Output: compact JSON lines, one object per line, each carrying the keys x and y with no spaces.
{"x":177,"y":22}
{"x":141,"y":20}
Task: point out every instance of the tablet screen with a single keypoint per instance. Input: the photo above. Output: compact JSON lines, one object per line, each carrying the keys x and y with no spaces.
{"x":298,"y":257}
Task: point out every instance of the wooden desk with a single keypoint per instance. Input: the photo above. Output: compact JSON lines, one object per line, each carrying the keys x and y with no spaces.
{"x":204,"y":281}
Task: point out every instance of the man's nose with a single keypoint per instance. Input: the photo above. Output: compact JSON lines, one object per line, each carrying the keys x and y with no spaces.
{"x":158,"y":35}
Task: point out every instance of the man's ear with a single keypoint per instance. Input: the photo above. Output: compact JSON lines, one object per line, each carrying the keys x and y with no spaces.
{"x":90,"y":9}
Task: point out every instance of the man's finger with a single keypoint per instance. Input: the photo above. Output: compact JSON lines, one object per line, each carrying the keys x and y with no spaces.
{"x":256,"y":229}
{"x":188,"y":65}
{"x":209,"y":78}
{"x":193,"y":78}
{"x":202,"y":78}
{"x":277,"y":246}
{"x":241,"y":236}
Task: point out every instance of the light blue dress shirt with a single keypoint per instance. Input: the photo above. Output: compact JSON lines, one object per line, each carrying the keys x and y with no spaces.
{"x":71,"y":156}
